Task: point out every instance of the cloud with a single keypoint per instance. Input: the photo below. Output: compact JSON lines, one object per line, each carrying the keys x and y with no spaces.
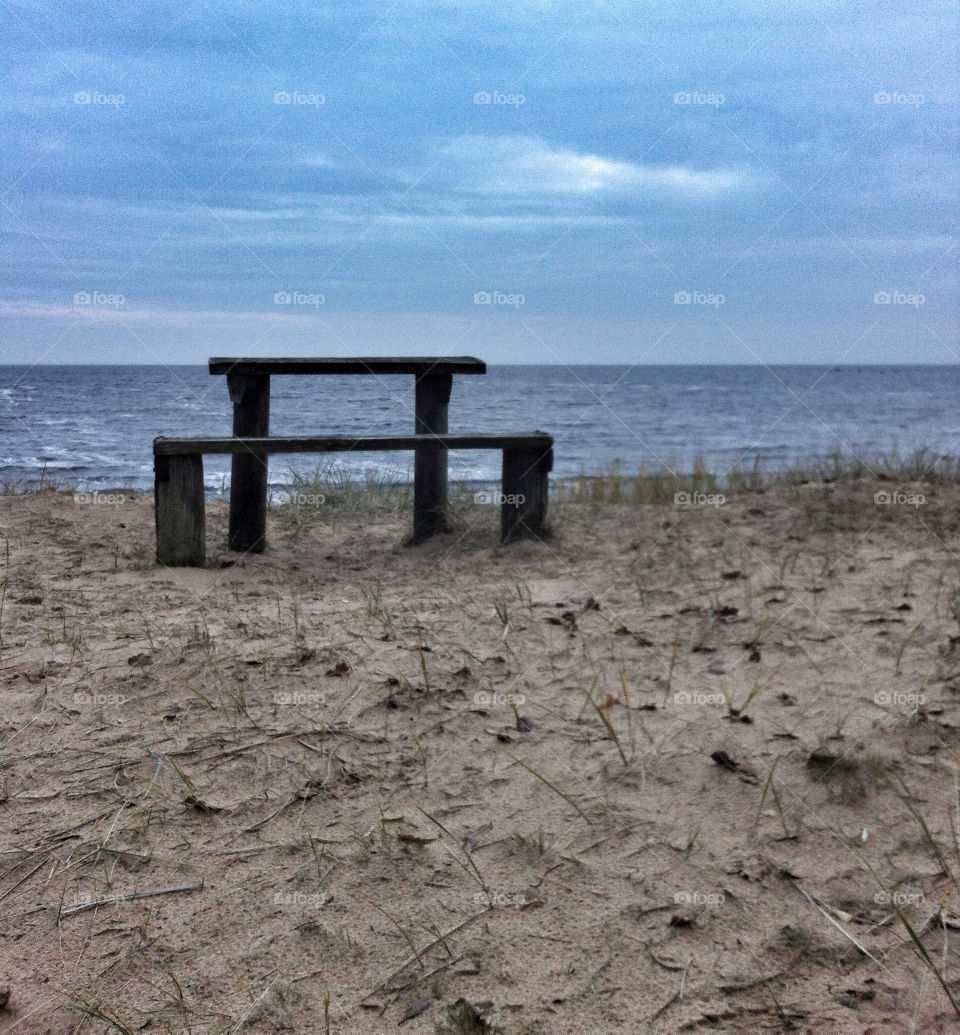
{"x":126,"y":312}
{"x":525,"y":165}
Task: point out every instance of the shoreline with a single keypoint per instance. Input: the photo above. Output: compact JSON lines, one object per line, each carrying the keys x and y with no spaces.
{"x":616,"y":480}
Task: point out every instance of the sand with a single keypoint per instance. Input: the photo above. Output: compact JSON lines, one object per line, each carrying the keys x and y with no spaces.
{"x":675,"y":769}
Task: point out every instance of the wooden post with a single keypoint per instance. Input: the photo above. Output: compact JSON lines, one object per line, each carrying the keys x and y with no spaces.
{"x":179,"y":511}
{"x":523,"y":509}
{"x":250,"y":395}
{"x":430,"y":461}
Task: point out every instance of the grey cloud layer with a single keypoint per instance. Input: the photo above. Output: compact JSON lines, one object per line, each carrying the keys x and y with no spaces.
{"x":596,"y":160}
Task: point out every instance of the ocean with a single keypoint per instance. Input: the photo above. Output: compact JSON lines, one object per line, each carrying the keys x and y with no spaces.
{"x":92,"y":427}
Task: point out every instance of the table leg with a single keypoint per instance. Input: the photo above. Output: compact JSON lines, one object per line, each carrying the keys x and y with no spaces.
{"x":525,"y":492}
{"x":250,"y":395}
{"x":178,"y":502}
{"x":430,"y":461}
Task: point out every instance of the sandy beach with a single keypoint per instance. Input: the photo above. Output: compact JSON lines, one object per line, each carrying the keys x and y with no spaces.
{"x":678,"y":768}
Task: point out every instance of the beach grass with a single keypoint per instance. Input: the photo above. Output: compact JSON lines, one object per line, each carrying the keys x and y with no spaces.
{"x":661,"y":484}
{"x":388,"y":491}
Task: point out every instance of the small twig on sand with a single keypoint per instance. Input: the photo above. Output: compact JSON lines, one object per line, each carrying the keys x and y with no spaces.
{"x":10,"y":890}
{"x":248,"y":1013}
{"x":419,"y":979}
{"x":70,"y":910}
{"x":844,"y":932}
{"x":412,"y":959}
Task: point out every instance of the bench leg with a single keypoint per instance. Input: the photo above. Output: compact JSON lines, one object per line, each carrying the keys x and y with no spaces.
{"x":430,"y":462}
{"x":248,"y":472}
{"x":179,"y":510}
{"x":525,"y":489}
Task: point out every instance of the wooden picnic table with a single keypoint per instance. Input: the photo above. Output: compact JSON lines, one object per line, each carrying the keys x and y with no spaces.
{"x":248,"y":382}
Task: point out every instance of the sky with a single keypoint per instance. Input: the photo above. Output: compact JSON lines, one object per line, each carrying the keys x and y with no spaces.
{"x":538,"y":182}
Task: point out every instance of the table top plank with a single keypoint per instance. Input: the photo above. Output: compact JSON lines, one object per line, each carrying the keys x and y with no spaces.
{"x":417,"y":365}
{"x":344,"y":443}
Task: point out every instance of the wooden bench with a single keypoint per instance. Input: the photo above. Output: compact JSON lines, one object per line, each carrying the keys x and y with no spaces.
{"x":248,"y":381}
{"x":179,"y":494}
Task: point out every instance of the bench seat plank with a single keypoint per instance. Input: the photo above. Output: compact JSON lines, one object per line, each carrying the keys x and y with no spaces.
{"x":344,"y":444}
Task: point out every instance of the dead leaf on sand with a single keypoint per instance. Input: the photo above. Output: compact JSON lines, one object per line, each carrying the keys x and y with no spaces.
{"x":203,"y":806}
{"x":473,"y":838}
{"x":414,"y":837}
{"x":752,"y":868}
{"x":725,"y":761}
{"x":568,"y":620}
{"x":415,"y":1009}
